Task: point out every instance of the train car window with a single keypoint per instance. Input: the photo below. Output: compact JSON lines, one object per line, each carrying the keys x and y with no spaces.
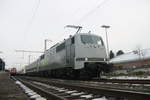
{"x":60,"y":47}
{"x":51,"y":52}
{"x":72,"y":40}
{"x":54,"y":45}
{"x":89,"y":39}
{"x":42,"y":57}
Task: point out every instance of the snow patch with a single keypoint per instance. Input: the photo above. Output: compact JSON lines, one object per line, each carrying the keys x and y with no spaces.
{"x":87,"y":96}
{"x":62,"y":90}
{"x":103,"y":98}
{"x":69,"y":92}
{"x":29,"y":92}
{"x":35,"y":96}
{"x":131,"y":77}
{"x":76,"y":94}
{"x":40,"y":98}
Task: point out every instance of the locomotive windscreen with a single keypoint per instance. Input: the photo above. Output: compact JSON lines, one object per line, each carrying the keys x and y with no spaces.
{"x":90,"y":39}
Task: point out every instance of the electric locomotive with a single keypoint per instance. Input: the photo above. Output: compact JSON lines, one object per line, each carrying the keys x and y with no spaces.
{"x":80,"y":56}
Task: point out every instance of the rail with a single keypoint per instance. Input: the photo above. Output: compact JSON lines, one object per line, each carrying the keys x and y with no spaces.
{"x":109,"y":92}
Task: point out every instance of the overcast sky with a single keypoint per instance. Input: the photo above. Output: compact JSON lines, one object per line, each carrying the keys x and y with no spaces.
{"x":24,"y":24}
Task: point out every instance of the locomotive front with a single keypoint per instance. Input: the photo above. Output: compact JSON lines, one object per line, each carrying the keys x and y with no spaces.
{"x":90,"y":55}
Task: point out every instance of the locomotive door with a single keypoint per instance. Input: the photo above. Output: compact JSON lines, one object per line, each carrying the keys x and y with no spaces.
{"x":70,"y":52}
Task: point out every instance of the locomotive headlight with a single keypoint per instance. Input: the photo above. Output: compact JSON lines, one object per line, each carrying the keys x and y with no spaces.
{"x":86,"y":59}
{"x":104,"y":59}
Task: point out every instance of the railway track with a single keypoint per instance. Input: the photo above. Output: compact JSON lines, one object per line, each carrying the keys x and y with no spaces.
{"x":130,"y":81}
{"x":72,"y":91}
{"x":40,"y":90}
{"x":123,"y":84}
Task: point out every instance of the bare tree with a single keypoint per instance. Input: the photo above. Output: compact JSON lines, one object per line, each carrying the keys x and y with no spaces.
{"x":120,"y":52}
{"x":141,"y":53}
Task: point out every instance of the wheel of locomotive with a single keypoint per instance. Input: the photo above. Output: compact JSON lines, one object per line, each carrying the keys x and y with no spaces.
{"x":75,"y":74}
{"x":85,"y":74}
{"x":100,"y":69}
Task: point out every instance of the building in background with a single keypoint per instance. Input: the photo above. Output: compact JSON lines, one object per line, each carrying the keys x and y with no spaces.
{"x":132,"y":62}
{"x":2,"y":65}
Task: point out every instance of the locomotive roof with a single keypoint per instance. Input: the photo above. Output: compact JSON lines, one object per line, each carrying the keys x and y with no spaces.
{"x":71,"y":37}
{"x":89,"y":33}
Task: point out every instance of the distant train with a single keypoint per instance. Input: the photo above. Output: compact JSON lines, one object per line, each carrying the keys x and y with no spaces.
{"x":13,"y":71}
{"x":80,"y":56}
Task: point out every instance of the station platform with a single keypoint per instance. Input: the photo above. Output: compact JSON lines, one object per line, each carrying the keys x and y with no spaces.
{"x":9,"y":90}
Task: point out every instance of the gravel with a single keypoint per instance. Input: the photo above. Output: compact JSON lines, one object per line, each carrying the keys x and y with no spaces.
{"x":9,"y":90}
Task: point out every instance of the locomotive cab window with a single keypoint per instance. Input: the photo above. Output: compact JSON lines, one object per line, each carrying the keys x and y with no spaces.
{"x":90,"y":39}
{"x":72,"y":40}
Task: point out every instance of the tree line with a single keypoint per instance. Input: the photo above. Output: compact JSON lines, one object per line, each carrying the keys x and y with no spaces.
{"x":112,"y":55}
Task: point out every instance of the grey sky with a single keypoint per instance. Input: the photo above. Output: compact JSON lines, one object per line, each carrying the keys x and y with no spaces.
{"x":129,"y":21}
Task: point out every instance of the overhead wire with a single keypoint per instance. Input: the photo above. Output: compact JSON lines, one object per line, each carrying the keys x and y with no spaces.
{"x":32,"y":18}
{"x":89,"y":13}
{"x":62,"y":34}
{"x":92,"y":11}
{"x":80,"y":20}
{"x":29,"y":24}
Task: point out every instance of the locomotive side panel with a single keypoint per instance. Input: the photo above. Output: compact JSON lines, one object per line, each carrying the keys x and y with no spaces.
{"x":54,"y":58}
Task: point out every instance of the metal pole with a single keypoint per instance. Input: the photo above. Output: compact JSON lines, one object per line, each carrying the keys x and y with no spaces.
{"x":106,"y":27}
{"x":107,"y":44}
{"x":29,"y":58}
{"x":45,"y":44}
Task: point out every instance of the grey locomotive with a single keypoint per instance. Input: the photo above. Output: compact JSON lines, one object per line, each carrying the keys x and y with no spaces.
{"x":80,"y":56}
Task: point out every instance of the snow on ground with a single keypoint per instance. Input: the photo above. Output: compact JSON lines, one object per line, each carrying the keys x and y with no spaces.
{"x":29,"y":92}
{"x":103,"y":98}
{"x":76,"y":94}
{"x":69,"y":92}
{"x":87,"y":96}
{"x":131,"y":77}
